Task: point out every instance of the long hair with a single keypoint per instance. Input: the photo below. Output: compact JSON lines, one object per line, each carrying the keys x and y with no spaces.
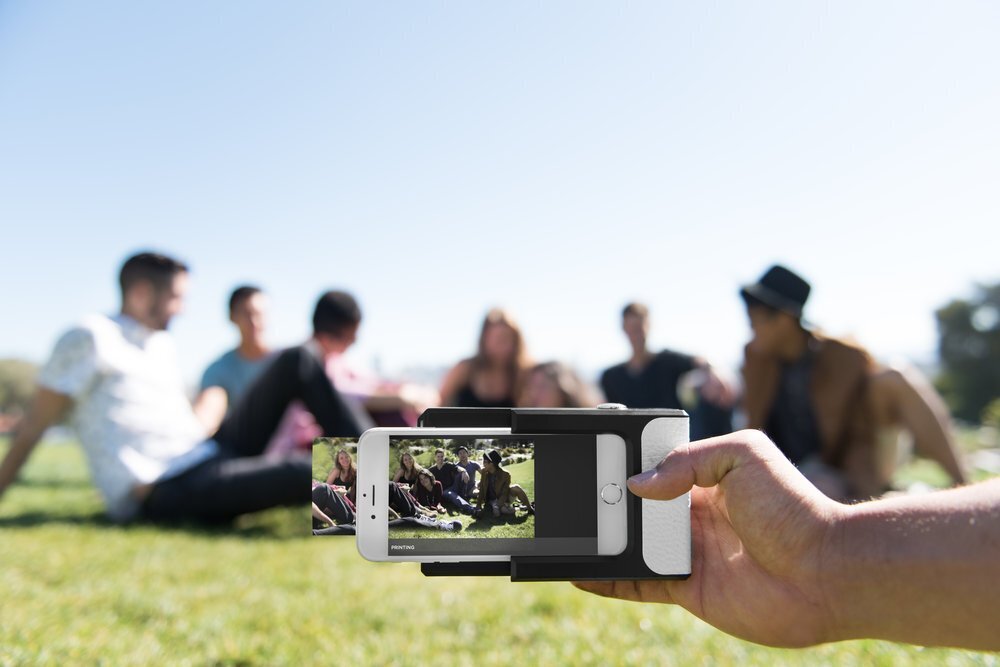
{"x":519,"y":362}
{"x":415,"y":468}
{"x":351,"y":470}
{"x":573,"y":391}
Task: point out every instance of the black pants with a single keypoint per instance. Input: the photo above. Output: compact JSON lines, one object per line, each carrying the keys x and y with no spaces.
{"x":331,"y":504}
{"x":239,"y":479}
{"x":401,"y":501}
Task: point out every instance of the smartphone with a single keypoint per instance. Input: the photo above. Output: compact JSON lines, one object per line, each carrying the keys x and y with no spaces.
{"x":538,"y":495}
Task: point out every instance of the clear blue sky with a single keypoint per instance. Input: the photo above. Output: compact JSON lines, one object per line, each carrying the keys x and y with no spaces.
{"x":556,"y":158}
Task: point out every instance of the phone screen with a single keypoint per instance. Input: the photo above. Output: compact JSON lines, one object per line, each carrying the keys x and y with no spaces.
{"x":520,"y":495}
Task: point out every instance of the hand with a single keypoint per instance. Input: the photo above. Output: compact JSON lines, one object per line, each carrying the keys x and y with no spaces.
{"x":716,"y":390}
{"x":759,"y":532}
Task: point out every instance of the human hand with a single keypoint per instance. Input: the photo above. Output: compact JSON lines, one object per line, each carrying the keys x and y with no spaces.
{"x":760,"y":540}
{"x":717,"y":390}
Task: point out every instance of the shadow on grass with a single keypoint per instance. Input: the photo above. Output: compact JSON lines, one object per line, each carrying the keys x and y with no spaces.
{"x":35,"y":518}
{"x":54,"y":483}
{"x":251,"y":527}
{"x":485,"y":524}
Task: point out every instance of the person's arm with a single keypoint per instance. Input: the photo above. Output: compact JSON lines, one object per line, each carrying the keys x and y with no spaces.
{"x":46,"y":408}
{"x":318,"y":514}
{"x":404,"y":397}
{"x":921,"y":569}
{"x":420,"y":507}
{"x":398,"y":476}
{"x":711,"y":386}
{"x":484,"y":489}
{"x":504,"y":490}
{"x":776,"y":562}
{"x":925,"y":416}
{"x":210,"y":407}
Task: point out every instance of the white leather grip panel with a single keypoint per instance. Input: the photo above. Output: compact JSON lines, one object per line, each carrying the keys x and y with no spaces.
{"x":666,"y":524}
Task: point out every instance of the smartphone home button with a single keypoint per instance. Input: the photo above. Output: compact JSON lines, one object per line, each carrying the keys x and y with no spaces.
{"x":611,"y":494}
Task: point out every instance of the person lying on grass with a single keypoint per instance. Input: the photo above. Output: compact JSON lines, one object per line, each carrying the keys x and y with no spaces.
{"x":406,"y":512}
{"x":331,"y":506}
{"x":118,"y":378}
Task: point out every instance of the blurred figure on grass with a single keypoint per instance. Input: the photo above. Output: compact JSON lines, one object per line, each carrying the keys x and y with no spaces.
{"x":825,"y":401}
{"x":118,"y":378}
{"x":553,"y":384}
{"x":494,"y":376}
{"x":651,"y":379}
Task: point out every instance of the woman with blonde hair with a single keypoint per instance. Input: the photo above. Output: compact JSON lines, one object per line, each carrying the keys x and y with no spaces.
{"x":494,"y":376}
{"x":407,"y":471}
{"x":344,"y":473}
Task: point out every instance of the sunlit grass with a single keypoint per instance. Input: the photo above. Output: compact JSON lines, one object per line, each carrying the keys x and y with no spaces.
{"x":75,"y":589}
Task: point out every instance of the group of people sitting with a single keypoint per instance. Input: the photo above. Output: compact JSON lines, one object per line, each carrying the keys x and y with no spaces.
{"x":833,"y":410}
{"x":415,"y":492}
{"x":242,"y":445}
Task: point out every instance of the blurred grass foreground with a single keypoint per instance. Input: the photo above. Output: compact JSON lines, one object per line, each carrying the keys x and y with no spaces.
{"x":75,"y":589}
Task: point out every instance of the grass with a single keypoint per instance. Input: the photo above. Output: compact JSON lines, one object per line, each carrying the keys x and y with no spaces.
{"x":75,"y":589}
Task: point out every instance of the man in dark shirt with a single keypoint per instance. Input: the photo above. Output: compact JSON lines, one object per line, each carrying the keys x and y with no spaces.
{"x":453,"y":480}
{"x":649,"y":380}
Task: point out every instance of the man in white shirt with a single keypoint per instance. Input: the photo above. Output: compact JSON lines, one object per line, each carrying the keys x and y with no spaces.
{"x":147,"y":452}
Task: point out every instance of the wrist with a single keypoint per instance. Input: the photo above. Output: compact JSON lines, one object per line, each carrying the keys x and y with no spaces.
{"x":839,"y":575}
{"x":867,"y":598}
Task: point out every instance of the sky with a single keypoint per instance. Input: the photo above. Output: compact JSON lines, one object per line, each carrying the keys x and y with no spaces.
{"x":558,"y":159}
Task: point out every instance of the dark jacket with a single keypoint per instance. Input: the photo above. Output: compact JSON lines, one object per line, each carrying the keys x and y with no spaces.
{"x":500,"y":479}
{"x":839,"y":386}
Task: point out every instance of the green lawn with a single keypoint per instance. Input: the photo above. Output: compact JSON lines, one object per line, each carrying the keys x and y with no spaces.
{"x":77,"y":590}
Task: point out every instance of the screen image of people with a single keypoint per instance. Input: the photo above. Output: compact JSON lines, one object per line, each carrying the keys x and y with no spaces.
{"x":334,"y":492}
{"x":461,"y":487}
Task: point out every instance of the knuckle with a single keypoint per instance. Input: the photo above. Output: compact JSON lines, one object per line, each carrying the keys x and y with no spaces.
{"x":754,"y":441}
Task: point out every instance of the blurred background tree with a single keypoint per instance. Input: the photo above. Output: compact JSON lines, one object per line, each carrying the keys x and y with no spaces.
{"x":969,"y":350}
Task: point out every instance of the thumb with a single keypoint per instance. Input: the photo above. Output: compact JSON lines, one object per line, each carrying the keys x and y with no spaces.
{"x":702,"y":463}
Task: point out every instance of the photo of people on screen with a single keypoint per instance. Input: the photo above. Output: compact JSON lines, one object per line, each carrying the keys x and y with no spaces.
{"x":477,"y":487}
{"x":334,"y":479}
{"x":334,"y":499}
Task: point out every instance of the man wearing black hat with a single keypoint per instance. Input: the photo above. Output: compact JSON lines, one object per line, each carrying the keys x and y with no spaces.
{"x":827,"y":404}
{"x":496,"y":493}
{"x":810,"y":393}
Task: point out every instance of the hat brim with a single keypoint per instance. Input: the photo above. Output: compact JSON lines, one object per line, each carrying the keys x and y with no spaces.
{"x":771,"y":298}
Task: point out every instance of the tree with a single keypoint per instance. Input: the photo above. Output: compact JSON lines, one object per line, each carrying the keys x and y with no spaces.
{"x":17,"y":384}
{"x":969,"y":351}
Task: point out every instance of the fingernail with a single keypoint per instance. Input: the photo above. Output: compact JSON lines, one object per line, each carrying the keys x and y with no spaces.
{"x":642,"y":477}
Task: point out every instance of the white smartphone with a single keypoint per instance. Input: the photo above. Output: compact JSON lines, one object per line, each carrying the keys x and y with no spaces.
{"x":538,"y":495}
